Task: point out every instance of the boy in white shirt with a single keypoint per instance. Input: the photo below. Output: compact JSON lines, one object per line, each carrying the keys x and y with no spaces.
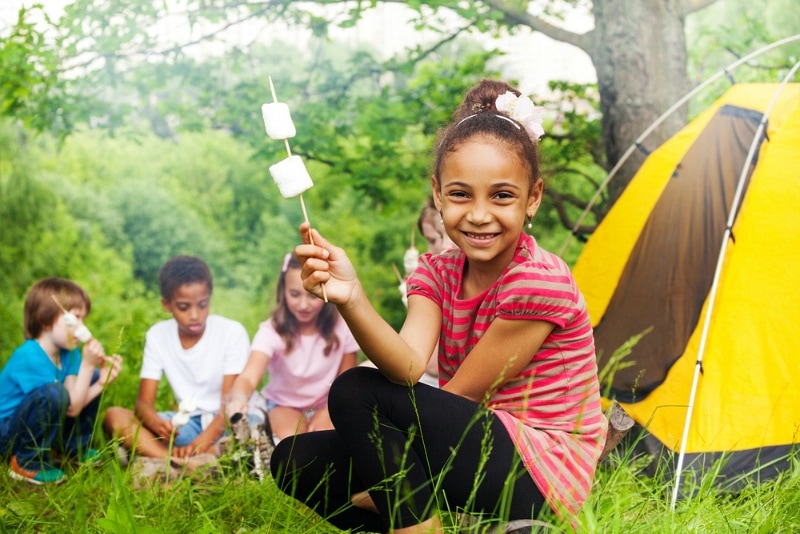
{"x":200,"y":354}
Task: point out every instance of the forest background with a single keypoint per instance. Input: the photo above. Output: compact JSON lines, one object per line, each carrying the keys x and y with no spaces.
{"x":116,"y":155}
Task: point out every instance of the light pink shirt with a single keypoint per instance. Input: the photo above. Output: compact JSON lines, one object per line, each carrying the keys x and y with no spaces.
{"x":302,"y":378}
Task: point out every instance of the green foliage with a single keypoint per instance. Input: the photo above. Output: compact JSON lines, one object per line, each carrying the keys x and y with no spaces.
{"x":731,"y":29}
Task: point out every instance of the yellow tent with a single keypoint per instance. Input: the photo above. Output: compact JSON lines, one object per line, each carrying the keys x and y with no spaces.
{"x":652,"y":261}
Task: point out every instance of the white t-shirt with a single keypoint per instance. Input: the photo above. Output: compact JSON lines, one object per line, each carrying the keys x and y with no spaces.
{"x":197,"y":372}
{"x":302,"y":378}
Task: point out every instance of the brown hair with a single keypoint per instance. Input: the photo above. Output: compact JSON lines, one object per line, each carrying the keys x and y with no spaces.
{"x":181,"y":270}
{"x":478,"y":115}
{"x":285,"y":322}
{"x":429,"y":214}
{"x":45,"y":301}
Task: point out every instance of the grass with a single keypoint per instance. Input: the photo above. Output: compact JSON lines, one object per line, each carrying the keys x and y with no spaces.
{"x":104,"y":499}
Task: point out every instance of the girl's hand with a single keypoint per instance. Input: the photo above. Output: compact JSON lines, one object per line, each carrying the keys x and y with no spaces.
{"x":235,"y":402}
{"x":324,"y":263}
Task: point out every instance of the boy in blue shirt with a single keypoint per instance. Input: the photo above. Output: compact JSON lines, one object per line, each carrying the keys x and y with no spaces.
{"x":49,"y":388}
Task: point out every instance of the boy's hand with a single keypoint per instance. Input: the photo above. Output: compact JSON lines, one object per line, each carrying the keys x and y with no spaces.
{"x":324,"y":263}
{"x":161,"y":428}
{"x":92,"y":353}
{"x":110,"y":368}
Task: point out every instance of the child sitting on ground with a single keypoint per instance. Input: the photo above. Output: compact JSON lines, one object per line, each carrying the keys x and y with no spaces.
{"x":305,"y":345}
{"x":49,"y":388}
{"x":200,"y":354}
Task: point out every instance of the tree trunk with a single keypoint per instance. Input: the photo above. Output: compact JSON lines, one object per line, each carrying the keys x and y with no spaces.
{"x":639,"y":52}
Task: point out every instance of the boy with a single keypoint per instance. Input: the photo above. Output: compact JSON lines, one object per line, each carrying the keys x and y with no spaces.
{"x":49,"y":391}
{"x":200,"y":354}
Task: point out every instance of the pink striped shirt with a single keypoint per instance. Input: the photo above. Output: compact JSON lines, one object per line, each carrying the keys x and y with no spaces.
{"x":552,"y":409}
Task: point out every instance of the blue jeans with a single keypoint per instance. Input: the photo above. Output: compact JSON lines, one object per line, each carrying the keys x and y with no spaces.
{"x":40,"y":424}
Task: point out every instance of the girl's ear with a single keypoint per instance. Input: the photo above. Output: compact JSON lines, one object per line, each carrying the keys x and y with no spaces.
{"x":437,"y":192}
{"x":535,"y":198}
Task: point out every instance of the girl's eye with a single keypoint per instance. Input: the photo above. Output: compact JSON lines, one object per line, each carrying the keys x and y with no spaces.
{"x":503,"y":195}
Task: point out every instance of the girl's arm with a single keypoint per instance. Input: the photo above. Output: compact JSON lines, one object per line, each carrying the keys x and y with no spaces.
{"x":145,"y":409}
{"x":400,"y":357}
{"x":237,"y":399}
{"x":348,"y":362}
{"x":502,"y":353}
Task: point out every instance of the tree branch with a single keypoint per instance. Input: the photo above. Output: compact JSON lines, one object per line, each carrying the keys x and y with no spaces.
{"x":516,"y":17}
{"x":697,"y":5}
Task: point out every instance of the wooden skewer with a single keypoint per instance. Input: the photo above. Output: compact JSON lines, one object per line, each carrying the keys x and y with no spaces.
{"x":397,"y":273}
{"x":302,"y":202}
{"x":58,"y":304}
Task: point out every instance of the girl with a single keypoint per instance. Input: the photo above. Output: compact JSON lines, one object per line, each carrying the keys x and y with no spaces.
{"x":305,"y":345}
{"x":431,"y":227}
{"x":516,"y":426}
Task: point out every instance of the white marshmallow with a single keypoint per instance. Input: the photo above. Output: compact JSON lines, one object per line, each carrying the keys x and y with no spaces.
{"x":291,"y":176}
{"x":83,"y":334}
{"x":180,"y":419}
{"x":70,"y":319}
{"x":410,"y":260}
{"x":403,"y":293}
{"x":278,"y":120}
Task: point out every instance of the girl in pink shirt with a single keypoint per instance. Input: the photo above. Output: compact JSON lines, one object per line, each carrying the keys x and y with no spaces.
{"x":516,"y":427}
{"x":305,"y":345}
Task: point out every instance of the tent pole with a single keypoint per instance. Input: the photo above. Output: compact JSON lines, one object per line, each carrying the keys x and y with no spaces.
{"x":657,"y":122}
{"x":737,"y":200}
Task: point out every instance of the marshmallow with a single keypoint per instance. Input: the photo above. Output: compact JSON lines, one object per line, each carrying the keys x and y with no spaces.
{"x":291,"y":176}
{"x":278,"y":120}
{"x":70,"y":319}
{"x":410,"y":260}
{"x":83,"y":334}
{"x":180,"y":419}
{"x":403,"y":293}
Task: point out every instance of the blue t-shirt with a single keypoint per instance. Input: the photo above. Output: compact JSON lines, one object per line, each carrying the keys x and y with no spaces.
{"x":30,"y":368}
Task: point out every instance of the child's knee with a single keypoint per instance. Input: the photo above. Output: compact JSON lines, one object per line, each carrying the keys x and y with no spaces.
{"x":351,"y":386}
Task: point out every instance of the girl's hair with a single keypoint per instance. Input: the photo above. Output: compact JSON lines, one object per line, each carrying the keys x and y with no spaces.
{"x":429,"y":214}
{"x":180,"y":270}
{"x":285,"y":322}
{"x":45,"y":301}
{"x":478,"y":115}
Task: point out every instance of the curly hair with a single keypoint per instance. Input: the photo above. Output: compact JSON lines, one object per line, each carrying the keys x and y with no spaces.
{"x":180,"y":270}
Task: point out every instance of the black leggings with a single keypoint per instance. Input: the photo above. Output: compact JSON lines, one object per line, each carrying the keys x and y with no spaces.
{"x":416,"y":449}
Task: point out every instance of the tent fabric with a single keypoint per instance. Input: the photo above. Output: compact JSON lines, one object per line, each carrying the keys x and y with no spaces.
{"x":747,"y":407}
{"x":670,"y":269}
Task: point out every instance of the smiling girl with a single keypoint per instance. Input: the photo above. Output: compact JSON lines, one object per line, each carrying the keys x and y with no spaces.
{"x":516,"y":427}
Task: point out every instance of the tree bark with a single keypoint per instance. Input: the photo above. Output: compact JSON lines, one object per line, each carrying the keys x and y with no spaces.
{"x":639,"y":52}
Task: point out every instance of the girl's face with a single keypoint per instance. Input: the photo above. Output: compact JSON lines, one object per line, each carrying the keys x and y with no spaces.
{"x":436,"y":237}
{"x":303,"y":305}
{"x":62,"y":335}
{"x":485,"y":193}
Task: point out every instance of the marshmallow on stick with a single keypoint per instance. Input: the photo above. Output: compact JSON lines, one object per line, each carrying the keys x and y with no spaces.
{"x":290,"y":174}
{"x":82,"y":333}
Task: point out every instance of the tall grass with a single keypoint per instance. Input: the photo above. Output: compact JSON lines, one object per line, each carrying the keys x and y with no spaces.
{"x":104,"y":499}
